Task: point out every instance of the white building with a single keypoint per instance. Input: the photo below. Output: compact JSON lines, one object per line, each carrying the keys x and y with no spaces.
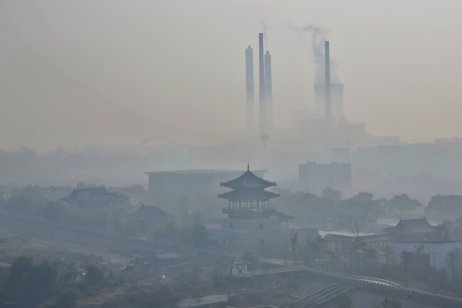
{"x":441,"y":254}
{"x":239,"y":267}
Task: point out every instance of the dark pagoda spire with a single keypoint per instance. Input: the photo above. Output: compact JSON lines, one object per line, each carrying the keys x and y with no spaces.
{"x":248,"y":180}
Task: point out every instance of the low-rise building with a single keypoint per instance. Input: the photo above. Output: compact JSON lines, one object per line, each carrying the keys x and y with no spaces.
{"x":343,"y":240}
{"x":445,"y":255}
{"x":407,"y":230}
{"x":95,"y":198}
{"x":239,"y":267}
{"x":357,"y":251}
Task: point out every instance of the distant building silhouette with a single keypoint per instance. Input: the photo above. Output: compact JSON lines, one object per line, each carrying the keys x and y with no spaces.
{"x":315,"y":178}
{"x":94,"y":198}
{"x":412,"y":230}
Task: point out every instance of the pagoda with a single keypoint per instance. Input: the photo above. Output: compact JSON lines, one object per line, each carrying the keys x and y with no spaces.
{"x":248,"y":197}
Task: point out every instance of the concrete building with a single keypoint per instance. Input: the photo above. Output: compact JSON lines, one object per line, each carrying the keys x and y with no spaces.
{"x":239,"y":268}
{"x":417,"y":239}
{"x":342,"y":241}
{"x":315,"y":178}
{"x":358,"y":251}
{"x":442,"y":255}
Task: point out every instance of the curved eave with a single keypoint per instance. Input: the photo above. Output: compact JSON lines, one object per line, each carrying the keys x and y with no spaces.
{"x":239,"y":196}
{"x":248,"y":180}
{"x":248,"y":185}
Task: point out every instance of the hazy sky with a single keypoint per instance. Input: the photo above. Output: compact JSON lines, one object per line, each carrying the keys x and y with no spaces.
{"x":74,"y":73}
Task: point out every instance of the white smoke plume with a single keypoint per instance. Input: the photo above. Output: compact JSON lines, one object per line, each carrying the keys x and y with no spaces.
{"x":264,"y":27}
{"x":318,"y":37}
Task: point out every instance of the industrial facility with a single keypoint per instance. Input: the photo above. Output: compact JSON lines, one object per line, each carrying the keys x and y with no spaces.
{"x":323,"y":126}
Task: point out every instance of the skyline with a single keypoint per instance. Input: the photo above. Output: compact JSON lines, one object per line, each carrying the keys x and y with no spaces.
{"x":82,"y":73}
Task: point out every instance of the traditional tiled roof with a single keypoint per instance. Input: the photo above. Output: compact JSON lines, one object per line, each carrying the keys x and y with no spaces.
{"x":94,"y":196}
{"x":248,"y":194}
{"x":411,"y":225}
{"x":248,"y":180}
{"x":149,"y":212}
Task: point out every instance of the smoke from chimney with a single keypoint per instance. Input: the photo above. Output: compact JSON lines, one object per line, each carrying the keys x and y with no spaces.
{"x":318,"y":37}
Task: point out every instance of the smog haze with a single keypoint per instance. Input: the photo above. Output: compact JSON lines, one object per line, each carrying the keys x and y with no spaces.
{"x":78,"y":73}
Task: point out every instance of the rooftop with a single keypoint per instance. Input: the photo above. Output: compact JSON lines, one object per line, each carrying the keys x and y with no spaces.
{"x":418,"y":224}
{"x":200,"y":171}
{"x":248,"y":180}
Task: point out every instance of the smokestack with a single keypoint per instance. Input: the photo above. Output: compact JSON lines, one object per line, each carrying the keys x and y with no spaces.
{"x":261,"y":64}
{"x":268,"y":93}
{"x":327,"y":85}
{"x":249,"y":83}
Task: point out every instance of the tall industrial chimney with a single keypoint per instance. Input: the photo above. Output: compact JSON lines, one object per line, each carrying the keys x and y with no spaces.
{"x":327,"y":85}
{"x":249,"y":83}
{"x":268,"y":93}
{"x":262,"y":92}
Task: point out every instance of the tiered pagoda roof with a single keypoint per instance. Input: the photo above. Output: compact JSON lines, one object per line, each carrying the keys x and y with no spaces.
{"x":248,"y":180}
{"x":248,"y":197}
